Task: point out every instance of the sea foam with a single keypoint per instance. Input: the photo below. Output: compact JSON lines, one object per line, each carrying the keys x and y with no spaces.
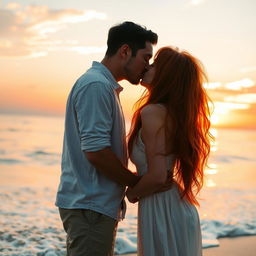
{"x":30,"y":223}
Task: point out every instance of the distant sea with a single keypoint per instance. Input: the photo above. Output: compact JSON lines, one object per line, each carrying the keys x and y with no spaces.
{"x":30,"y":152}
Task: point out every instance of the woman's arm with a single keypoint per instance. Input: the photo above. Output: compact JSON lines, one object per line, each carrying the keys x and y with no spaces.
{"x":153,"y":136}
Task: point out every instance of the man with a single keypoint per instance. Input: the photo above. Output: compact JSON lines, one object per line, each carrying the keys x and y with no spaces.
{"x":94,"y":159}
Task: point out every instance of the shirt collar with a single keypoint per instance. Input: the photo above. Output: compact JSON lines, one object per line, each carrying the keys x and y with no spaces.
{"x":108,"y":74}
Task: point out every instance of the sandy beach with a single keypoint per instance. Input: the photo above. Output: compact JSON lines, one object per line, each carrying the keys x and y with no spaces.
{"x":238,"y":246}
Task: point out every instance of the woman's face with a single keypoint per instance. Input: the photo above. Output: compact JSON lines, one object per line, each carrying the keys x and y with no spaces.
{"x":148,"y":77}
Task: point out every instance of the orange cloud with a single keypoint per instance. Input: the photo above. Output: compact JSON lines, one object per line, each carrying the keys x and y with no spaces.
{"x":245,"y":83}
{"x":13,"y":6}
{"x":235,"y":115}
{"x":234,"y":103}
{"x":238,"y":85}
{"x":247,"y":98}
{"x":26,"y":31}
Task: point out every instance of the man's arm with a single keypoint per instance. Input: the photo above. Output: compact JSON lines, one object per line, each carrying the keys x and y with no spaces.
{"x":107,"y":163}
{"x":94,"y":114}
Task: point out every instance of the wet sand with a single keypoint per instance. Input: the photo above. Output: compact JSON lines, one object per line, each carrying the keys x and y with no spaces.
{"x":238,"y":246}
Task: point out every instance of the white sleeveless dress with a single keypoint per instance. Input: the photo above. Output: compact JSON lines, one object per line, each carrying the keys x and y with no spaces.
{"x":167,"y":225}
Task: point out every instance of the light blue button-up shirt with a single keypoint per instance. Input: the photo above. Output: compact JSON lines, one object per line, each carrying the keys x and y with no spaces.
{"x":94,"y":121}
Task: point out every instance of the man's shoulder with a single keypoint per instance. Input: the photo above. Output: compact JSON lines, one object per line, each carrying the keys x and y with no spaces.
{"x":93,"y":75}
{"x":92,"y":79}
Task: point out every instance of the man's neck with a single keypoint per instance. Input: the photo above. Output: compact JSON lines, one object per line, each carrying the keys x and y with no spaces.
{"x":113,"y":66}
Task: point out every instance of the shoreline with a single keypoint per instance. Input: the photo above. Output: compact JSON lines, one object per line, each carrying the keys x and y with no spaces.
{"x":229,"y":246}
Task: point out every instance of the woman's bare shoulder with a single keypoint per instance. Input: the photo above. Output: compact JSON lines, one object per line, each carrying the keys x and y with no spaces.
{"x":153,"y":109}
{"x":153,"y":114}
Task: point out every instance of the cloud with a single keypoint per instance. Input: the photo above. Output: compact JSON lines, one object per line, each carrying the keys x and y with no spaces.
{"x":13,"y":6}
{"x":245,"y":83}
{"x":249,"y":98}
{"x":26,"y":31}
{"x":224,"y":110}
{"x":196,"y":2}
{"x":213,"y":85}
{"x":239,"y":85}
{"x":248,"y":69}
{"x":88,"y":50}
{"x":53,"y":21}
{"x":226,"y":107}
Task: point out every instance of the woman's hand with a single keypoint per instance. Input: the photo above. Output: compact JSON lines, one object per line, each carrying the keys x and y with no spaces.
{"x":130,"y":196}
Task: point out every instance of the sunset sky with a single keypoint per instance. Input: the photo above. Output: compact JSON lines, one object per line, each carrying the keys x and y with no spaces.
{"x":46,"y":45}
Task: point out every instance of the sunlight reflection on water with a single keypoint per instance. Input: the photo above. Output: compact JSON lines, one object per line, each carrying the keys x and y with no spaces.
{"x":30,"y":154}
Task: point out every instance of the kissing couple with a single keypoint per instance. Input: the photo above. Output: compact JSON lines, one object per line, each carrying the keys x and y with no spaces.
{"x":168,"y":142}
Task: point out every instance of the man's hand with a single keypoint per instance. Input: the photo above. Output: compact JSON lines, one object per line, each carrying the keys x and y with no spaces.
{"x":167,"y":185}
{"x":108,"y":164}
{"x":131,"y":198}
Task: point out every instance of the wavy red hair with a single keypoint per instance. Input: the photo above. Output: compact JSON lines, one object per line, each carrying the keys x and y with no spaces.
{"x":178,"y":85}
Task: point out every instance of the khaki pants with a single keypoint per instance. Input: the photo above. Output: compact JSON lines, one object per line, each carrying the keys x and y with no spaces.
{"x":89,"y":233}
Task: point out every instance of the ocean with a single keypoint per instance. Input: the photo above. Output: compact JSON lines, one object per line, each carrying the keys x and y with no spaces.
{"x":30,"y":152}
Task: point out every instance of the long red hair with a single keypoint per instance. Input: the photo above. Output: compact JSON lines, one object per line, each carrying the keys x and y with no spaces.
{"x":178,"y":85}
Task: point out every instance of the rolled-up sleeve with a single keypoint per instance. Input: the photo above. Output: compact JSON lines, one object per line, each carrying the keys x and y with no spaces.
{"x":93,"y":105}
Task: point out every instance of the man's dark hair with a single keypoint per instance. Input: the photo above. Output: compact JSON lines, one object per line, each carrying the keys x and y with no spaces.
{"x":131,"y":34}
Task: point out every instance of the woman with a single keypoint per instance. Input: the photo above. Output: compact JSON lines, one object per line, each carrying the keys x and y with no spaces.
{"x":169,"y":139}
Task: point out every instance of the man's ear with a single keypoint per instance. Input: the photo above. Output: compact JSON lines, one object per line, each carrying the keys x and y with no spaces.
{"x":125,"y":51}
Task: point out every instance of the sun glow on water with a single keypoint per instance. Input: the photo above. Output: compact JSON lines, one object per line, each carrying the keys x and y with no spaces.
{"x":223,"y":112}
{"x":210,"y":183}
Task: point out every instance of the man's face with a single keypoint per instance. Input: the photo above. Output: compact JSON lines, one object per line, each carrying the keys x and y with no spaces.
{"x":136,"y":66}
